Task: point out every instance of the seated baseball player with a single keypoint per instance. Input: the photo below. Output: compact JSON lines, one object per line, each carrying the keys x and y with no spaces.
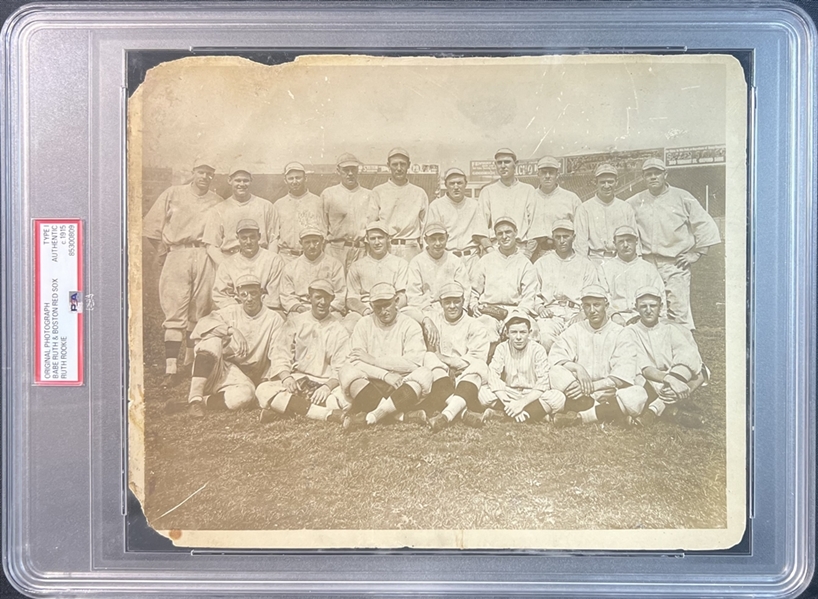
{"x":503,"y":280}
{"x":594,"y":364}
{"x":313,"y":264}
{"x":518,"y":381}
{"x":562,"y":275}
{"x":668,"y":360}
{"x":304,"y":366}
{"x":457,"y":356}
{"x":433,"y":268}
{"x":384,"y":373}
{"x":251,"y":259}
{"x":232,"y":351}
{"x":626,"y":273}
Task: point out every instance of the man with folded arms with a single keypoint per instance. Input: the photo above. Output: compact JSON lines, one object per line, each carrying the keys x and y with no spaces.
{"x":297,"y":210}
{"x":311,"y":265}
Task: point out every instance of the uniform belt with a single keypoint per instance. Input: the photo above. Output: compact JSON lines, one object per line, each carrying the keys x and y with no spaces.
{"x":182,"y":246}
{"x":461,"y":253}
{"x":291,"y":252}
{"x":404,"y":242}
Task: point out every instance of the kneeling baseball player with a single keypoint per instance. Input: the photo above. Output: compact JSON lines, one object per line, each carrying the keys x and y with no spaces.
{"x":304,"y":366}
{"x":384,"y":374}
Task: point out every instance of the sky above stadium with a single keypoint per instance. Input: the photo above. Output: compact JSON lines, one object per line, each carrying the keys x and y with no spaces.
{"x":444,"y":111}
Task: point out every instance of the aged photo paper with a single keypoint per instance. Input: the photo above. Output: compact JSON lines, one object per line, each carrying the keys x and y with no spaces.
{"x":219,"y":458}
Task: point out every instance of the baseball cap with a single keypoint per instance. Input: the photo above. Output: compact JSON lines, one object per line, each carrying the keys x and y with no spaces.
{"x":451,"y":290}
{"x":248,"y":279}
{"x":378,"y":225}
{"x":594,"y":291}
{"x":347,"y":159}
{"x":245,"y":224}
{"x":548,"y":162}
{"x":625,"y":230}
{"x":322,"y":285}
{"x":563,"y":224}
{"x":397,"y":152}
{"x":204,"y":161}
{"x":453,"y":171}
{"x":240,"y":168}
{"x":505,"y":152}
{"x":382,"y":291}
{"x":294,"y":166}
{"x":654,"y":163}
{"x":307,"y":231}
{"x":505,"y":219}
{"x":517,"y":315}
{"x":647,"y":290}
{"x":432,"y":228}
{"x":606,"y":169}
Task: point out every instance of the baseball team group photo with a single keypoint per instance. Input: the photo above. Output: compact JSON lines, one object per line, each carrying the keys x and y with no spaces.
{"x":448,"y":326}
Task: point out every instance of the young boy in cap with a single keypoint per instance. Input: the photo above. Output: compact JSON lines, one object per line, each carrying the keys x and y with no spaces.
{"x":593,"y":362}
{"x":597,"y":218}
{"x":552,"y":203}
{"x":297,"y":210}
{"x":433,"y":268}
{"x":250,"y":259}
{"x":384,"y":374}
{"x":175,"y":227}
{"x":402,"y":206}
{"x":562,"y":275}
{"x":311,"y":265}
{"x":304,"y":366}
{"x":348,"y":207}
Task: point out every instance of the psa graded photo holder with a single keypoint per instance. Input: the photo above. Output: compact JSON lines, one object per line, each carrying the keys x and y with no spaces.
{"x":368,"y":298}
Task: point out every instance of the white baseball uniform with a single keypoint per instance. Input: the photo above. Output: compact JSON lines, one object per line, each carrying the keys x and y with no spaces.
{"x":403,"y":208}
{"x":294,"y":214}
{"x":516,"y":201}
{"x":425,"y":277}
{"x":467,"y":339}
{"x":623,"y":279}
{"x":560,"y":204}
{"x":365,"y":273}
{"x":220,"y":230}
{"x":595,"y":222}
{"x":300,"y":272}
{"x":347,"y":213}
{"x":463,"y":221}
{"x":265,"y":265}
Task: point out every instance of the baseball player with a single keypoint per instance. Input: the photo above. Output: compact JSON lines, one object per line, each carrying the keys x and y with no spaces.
{"x":233,"y":351}
{"x":314,"y":346}
{"x":552,"y":203}
{"x":175,"y":227}
{"x":297,"y":210}
{"x":668,"y":360}
{"x":384,"y":373}
{"x":430,"y":270}
{"x":562,"y":275}
{"x":597,"y":219}
{"x":348,"y":208}
{"x":311,"y":265}
{"x":378,"y":266}
{"x":675,"y":232}
{"x":462,"y":218}
{"x":508,"y":197}
{"x":518,"y":381}
{"x":503,"y":280}
{"x":402,"y":206}
{"x":250,"y":259}
{"x":625,"y":274}
{"x":220,"y":229}
{"x":594,"y":364}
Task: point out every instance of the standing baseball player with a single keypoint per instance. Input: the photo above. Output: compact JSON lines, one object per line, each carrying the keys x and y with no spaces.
{"x":597,"y":218}
{"x":503,"y":280}
{"x":384,"y":374}
{"x":304,"y":367}
{"x":594,"y":364}
{"x":508,"y":197}
{"x":402,"y":206}
{"x":552,"y":203}
{"x":348,"y":208}
{"x":462,"y":217}
{"x":175,"y":226}
{"x":625,"y":274}
{"x":299,"y":209}
{"x":518,"y":381}
{"x":233,"y":351}
{"x":562,"y":275}
{"x":311,"y":265}
{"x":250,"y":259}
{"x":430,"y":270}
{"x":668,"y":361}
{"x":675,"y":232}
{"x":220,"y":228}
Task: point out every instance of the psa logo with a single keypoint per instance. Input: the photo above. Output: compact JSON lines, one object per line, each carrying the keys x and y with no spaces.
{"x":75,"y":300}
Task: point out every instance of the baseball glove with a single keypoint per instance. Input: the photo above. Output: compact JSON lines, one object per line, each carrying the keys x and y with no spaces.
{"x":306,"y":388}
{"x":495,"y":312}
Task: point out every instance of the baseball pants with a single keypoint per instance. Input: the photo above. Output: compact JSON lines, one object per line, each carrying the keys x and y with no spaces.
{"x":551,"y":400}
{"x":185,"y":287}
{"x":407,"y":250}
{"x":345,"y":254}
{"x":356,"y":376}
{"x":632,"y":400}
{"x":225,"y":377}
{"x":677,"y":288}
{"x":475,"y":373}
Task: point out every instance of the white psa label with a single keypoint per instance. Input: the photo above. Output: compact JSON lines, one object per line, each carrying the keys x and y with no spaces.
{"x":58,"y":302}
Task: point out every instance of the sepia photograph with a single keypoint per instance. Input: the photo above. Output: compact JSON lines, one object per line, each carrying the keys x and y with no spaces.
{"x":439,"y":303}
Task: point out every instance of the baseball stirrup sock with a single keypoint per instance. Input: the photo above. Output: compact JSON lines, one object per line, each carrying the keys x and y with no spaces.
{"x":454,"y":406}
{"x":299,"y":405}
{"x":204,"y":364}
{"x":468,"y":391}
{"x":367,"y":399}
{"x":404,"y":398}
{"x":608,"y":412}
{"x":579,"y":405}
{"x":386,"y":407}
{"x":535,"y":410}
{"x":171,"y":354}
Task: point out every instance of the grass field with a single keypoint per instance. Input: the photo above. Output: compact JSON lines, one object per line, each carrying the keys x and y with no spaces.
{"x":300,"y":474}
